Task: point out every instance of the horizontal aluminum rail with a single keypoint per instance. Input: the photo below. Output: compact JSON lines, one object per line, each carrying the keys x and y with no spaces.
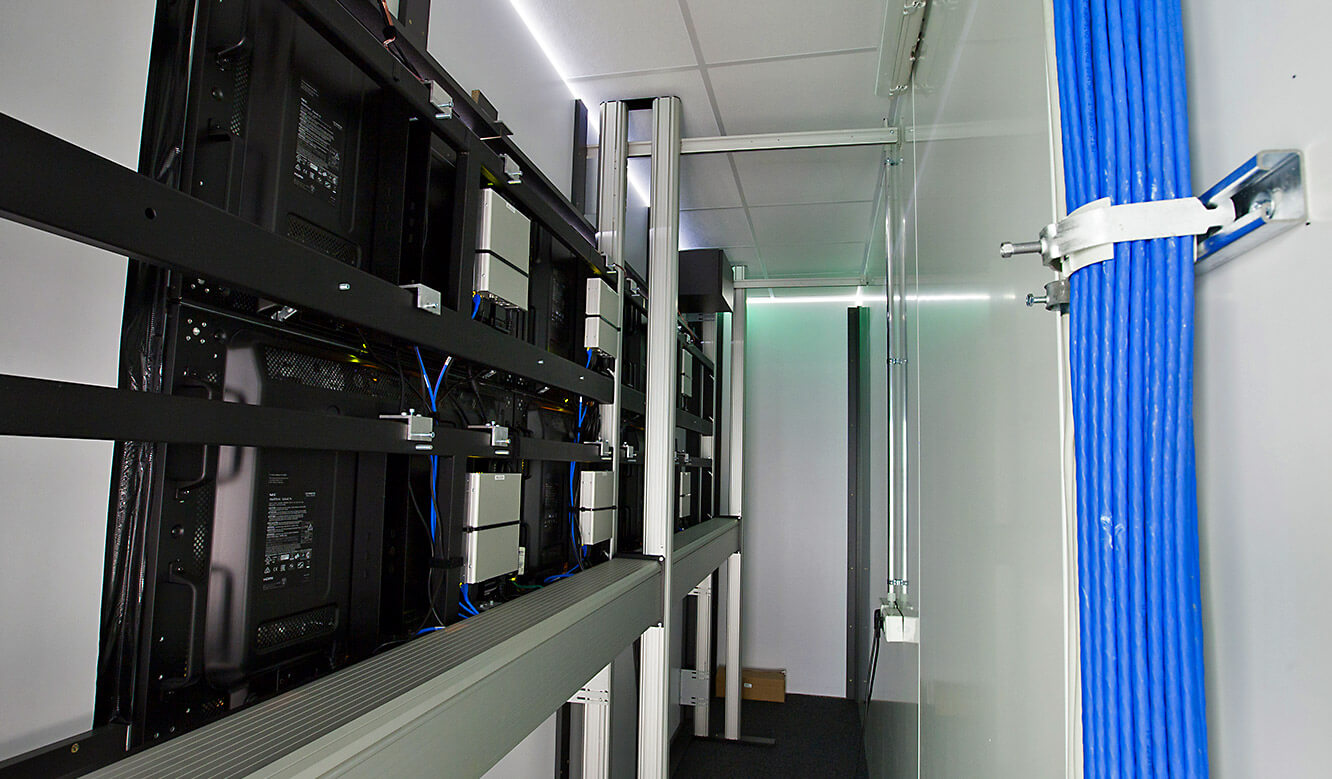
{"x":700,"y":550}
{"x":451,"y":703}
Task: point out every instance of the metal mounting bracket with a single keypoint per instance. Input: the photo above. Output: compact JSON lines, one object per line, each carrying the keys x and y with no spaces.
{"x":425,"y":298}
{"x":1055,"y":297}
{"x":440,"y":100}
{"x":513,"y":172}
{"x":1089,"y":234}
{"x":693,"y":686}
{"x":1266,"y":191}
{"x":500,"y":440}
{"x":418,"y":428}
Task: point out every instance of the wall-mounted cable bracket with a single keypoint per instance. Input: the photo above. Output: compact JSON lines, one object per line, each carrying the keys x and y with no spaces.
{"x":1262,"y":198}
{"x":1269,"y":198}
{"x":1089,"y":234}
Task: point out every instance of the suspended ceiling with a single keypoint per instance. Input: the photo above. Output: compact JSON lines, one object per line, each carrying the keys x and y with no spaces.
{"x":748,"y":66}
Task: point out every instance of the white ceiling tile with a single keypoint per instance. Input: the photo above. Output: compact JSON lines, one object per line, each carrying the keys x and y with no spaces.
{"x":714,"y":228}
{"x":835,"y":92}
{"x":610,"y":36}
{"x":809,"y":175}
{"x":746,"y":29}
{"x":707,"y":181}
{"x":811,"y":224}
{"x":697,"y":119}
{"x":836,"y":259}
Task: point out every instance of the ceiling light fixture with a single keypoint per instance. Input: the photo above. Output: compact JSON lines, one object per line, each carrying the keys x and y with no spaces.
{"x":862,"y":297}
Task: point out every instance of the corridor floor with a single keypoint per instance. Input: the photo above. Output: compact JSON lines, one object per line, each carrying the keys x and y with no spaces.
{"x":816,"y":737}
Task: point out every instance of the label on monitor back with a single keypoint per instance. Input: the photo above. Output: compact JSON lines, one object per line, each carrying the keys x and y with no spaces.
{"x":319,"y":139}
{"x":289,"y":539}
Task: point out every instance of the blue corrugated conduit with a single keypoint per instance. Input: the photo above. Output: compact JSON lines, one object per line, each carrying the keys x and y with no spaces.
{"x":1125,"y":136}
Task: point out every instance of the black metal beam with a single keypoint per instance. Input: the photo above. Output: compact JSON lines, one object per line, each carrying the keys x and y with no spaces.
{"x":698,"y":354}
{"x":57,"y":409}
{"x":98,"y":202}
{"x":634,"y":401}
{"x":557,"y":451}
{"x":690,"y":422}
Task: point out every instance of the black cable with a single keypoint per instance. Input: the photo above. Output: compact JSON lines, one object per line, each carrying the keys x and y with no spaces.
{"x":873,"y":665}
{"x":432,"y":590}
{"x":396,"y":362}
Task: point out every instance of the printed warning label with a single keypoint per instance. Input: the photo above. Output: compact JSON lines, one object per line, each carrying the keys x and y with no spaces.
{"x":289,"y":541}
{"x":319,"y":139}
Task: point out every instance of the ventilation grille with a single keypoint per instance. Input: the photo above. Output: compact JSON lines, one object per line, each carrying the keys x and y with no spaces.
{"x":321,"y":240}
{"x":308,"y":624}
{"x":283,"y":365}
{"x":240,"y":93}
{"x":202,"y":514}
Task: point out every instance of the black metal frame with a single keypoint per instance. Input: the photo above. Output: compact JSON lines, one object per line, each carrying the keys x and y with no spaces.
{"x":97,"y":202}
{"x":345,"y":24}
{"x":63,"y":189}
{"x":857,"y":496}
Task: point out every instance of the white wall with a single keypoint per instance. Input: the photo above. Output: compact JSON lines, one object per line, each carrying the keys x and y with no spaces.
{"x":77,"y":70}
{"x":794,"y":533}
{"x":1259,"y":76}
{"x":486,"y":46}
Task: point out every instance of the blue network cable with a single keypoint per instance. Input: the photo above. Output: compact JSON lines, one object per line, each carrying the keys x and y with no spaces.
{"x":465,"y":604}
{"x":432,"y":394}
{"x":573,"y":492}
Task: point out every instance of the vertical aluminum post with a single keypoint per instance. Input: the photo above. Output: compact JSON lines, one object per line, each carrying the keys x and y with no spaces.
{"x":612,"y":194}
{"x":612,"y":202}
{"x":736,"y":469}
{"x":659,"y":454}
{"x":593,"y":761}
{"x":703,"y":654}
{"x":703,"y":647}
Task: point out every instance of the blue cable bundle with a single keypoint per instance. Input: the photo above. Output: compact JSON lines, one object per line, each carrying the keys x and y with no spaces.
{"x":432,"y":394}
{"x":1125,"y":136}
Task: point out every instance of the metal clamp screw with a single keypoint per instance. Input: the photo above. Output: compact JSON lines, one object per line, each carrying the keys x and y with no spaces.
{"x":1010,"y":248}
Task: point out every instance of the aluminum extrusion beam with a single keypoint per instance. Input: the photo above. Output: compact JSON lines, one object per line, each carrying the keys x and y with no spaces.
{"x":736,"y":473}
{"x":659,"y":449}
{"x":818,"y":139}
{"x":612,"y":189}
{"x":612,"y":206}
{"x":796,"y":282}
{"x":703,"y":655}
{"x":700,"y":550}
{"x":453,"y":702}
{"x":103,"y":204}
{"x":731,"y":728}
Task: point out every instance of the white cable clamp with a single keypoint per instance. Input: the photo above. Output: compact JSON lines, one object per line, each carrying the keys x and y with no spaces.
{"x":1089,"y":234}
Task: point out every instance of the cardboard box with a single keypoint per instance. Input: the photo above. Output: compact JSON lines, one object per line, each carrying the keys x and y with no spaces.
{"x":757,"y":684}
